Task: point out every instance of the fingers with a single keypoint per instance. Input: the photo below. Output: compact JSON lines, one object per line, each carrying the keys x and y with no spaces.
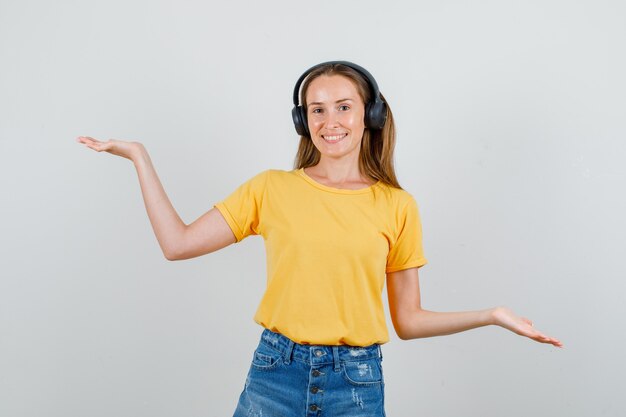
{"x":554,"y":342}
{"x":89,"y":140}
{"x":529,"y":331}
{"x":86,"y":139}
{"x":540,"y":337}
{"x":92,"y":143}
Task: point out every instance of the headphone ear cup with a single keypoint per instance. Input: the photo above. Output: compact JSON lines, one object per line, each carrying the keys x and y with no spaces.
{"x":305,"y":123}
{"x":299,"y":120}
{"x":376,"y":114}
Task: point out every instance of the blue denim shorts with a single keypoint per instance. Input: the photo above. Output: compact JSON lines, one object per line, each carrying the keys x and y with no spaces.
{"x":288,"y":379}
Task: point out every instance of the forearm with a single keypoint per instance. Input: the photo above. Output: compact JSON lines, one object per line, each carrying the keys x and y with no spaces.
{"x":424,"y":323}
{"x":167,"y":225}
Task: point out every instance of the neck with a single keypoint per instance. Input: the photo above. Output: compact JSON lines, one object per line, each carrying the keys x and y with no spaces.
{"x":339,"y":170}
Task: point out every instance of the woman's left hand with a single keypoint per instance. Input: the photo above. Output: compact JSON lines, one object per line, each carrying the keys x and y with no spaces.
{"x":504,"y":317}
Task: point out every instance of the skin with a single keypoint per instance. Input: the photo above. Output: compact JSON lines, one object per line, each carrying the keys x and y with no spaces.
{"x":334,"y":107}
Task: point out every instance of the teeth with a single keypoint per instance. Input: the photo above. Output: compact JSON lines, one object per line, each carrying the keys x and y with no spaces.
{"x":331,"y":138}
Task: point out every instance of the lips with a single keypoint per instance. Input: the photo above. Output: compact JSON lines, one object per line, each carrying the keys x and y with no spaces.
{"x":334,"y":138}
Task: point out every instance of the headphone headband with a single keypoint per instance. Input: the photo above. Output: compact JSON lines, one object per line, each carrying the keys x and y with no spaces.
{"x":375,"y":110}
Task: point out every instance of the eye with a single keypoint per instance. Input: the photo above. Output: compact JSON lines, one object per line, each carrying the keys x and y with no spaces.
{"x":316,"y":110}
{"x":344,"y":106}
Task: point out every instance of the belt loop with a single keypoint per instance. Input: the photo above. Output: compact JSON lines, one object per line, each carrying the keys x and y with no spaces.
{"x":288,"y":351}
{"x":336,"y":358}
{"x":380,"y":352}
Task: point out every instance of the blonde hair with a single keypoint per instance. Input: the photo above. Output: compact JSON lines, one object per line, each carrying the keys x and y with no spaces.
{"x":377,"y":146}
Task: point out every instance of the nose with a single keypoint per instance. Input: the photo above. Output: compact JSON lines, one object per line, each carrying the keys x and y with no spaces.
{"x":332,"y":120}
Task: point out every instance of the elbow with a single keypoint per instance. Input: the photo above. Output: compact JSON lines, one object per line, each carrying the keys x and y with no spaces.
{"x":171,"y":256}
{"x":403,"y":335}
{"x":407,"y":325}
{"x":175,"y":246}
{"x":400,"y":330}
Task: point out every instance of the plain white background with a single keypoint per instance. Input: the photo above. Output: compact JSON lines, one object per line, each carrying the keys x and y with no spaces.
{"x":511,"y":137}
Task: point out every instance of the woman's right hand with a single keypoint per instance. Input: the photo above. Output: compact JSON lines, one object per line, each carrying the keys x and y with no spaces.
{"x":128,"y":150}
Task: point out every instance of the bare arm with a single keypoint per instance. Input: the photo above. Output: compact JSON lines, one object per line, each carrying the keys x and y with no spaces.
{"x":177,"y":240}
{"x":167,"y":225}
{"x":411,"y":321}
{"x":207,"y":234}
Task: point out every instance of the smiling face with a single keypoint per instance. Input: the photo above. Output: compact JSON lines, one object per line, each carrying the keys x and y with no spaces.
{"x":335,"y":115}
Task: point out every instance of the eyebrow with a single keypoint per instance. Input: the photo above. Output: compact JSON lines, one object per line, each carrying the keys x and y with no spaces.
{"x":338,"y":101}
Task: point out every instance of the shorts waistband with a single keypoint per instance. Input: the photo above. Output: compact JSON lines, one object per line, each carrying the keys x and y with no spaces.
{"x":318,"y":354}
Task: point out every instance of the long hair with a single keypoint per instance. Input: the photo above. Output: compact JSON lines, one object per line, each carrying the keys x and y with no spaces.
{"x":377,"y":146}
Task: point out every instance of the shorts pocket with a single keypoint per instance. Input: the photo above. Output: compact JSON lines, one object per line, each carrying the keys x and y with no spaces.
{"x":265,"y":358}
{"x":362,"y":372}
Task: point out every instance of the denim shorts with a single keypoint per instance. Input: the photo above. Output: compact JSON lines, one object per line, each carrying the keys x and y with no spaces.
{"x":288,"y":379}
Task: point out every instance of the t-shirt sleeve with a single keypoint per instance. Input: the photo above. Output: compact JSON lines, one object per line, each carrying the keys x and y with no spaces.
{"x":242,"y":208}
{"x":406,"y":251}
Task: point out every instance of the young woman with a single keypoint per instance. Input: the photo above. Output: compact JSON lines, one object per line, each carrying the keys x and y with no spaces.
{"x":334,"y":227}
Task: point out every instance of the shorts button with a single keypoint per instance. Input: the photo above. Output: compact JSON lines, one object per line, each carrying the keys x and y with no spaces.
{"x":318,"y":353}
{"x":314,"y":408}
{"x":316,"y":372}
{"x":314,"y":390}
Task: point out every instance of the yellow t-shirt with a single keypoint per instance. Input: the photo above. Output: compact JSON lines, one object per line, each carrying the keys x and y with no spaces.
{"x":328,"y":250}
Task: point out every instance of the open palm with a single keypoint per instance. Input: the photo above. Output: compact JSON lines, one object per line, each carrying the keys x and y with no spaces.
{"x":504,"y":317}
{"x":121,"y":148}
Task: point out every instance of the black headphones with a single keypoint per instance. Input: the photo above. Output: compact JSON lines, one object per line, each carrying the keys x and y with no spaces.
{"x":375,"y":110}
